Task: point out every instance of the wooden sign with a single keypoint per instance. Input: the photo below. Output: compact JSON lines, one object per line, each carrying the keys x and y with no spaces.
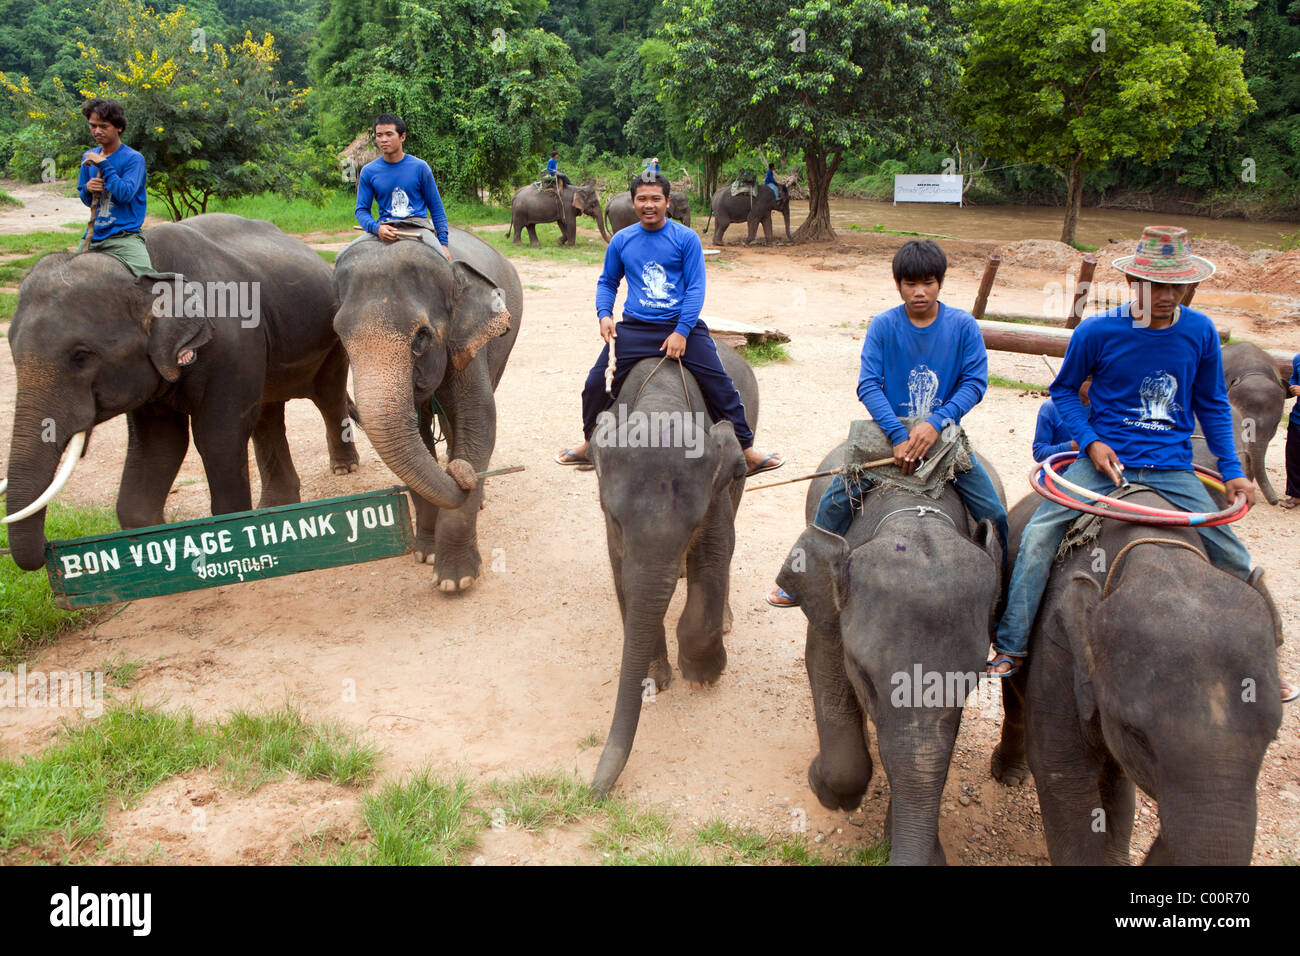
{"x":228,"y":549}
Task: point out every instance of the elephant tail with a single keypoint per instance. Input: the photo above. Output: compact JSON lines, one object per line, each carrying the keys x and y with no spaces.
{"x":705,"y":230}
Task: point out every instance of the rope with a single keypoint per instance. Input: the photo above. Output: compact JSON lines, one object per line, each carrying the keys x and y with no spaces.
{"x":921,"y":512}
{"x":685,"y":390}
{"x":1114,"y":565}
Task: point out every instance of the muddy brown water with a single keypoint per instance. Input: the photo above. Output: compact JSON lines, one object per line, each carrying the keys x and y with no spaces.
{"x":1009,"y":223}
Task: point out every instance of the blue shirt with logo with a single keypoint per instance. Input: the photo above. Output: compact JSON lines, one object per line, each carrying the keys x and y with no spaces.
{"x":1148,"y":388}
{"x":1295,"y":380}
{"x":123,"y":201}
{"x":939,"y":372}
{"x":664,"y":269}
{"x":403,"y":189}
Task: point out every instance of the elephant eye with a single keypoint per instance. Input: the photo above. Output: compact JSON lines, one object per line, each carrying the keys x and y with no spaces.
{"x":80,"y":356}
{"x":423,"y":339}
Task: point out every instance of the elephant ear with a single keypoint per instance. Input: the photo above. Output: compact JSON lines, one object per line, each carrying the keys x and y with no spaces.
{"x":478,"y":313}
{"x":1078,"y":605}
{"x":815,"y":573}
{"x":731,"y":460}
{"x":177,"y":323}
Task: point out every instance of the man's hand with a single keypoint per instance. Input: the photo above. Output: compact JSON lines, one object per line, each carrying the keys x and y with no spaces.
{"x":1240,"y":486}
{"x":446,"y":253}
{"x":1074,"y":445}
{"x":1105,"y":461}
{"x":608,"y":328}
{"x":908,"y":454}
{"x":93,"y":158}
{"x":95,"y":184}
{"x":1294,"y":389}
{"x":386,"y":233}
{"x":675,"y":345}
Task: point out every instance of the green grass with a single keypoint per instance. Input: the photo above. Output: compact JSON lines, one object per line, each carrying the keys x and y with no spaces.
{"x":8,"y":200}
{"x":999,"y":382}
{"x":1084,"y":247}
{"x":329,"y":255}
{"x":588,"y":250}
{"x":764,"y":353}
{"x":739,"y":845}
{"x":29,"y":248}
{"x":65,"y":792}
{"x":28,"y":617}
{"x":424,"y":822}
{"x":298,"y":216}
{"x":120,"y":672}
{"x":535,"y":801}
{"x":592,"y":739}
{"x":8,"y":303}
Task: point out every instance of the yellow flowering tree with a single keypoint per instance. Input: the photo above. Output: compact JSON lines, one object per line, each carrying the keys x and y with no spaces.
{"x":210,"y":119}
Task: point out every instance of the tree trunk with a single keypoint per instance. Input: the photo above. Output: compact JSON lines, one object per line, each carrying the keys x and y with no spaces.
{"x":817,"y":227}
{"x":1073,"y":200}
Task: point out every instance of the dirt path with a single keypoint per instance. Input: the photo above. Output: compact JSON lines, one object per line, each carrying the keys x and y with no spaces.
{"x":514,"y":674}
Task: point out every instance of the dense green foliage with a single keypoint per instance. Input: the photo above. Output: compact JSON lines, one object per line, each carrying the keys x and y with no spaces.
{"x":489,"y":87}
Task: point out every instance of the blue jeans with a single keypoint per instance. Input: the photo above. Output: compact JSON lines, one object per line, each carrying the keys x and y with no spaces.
{"x":835,"y":510}
{"x":1046,"y":529}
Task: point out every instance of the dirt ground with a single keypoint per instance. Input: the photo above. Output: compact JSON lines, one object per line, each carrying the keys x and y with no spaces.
{"x":513,"y":674}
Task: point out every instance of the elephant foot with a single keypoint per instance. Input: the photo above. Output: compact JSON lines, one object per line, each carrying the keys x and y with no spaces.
{"x":832,"y":797}
{"x":1008,"y":771}
{"x":275,"y":497}
{"x":726,"y":618}
{"x":449,"y":586}
{"x":423,"y":557}
{"x":457,"y":574}
{"x":702,"y":671}
{"x":423,"y":547}
{"x":661,"y":672}
{"x":345,"y":468}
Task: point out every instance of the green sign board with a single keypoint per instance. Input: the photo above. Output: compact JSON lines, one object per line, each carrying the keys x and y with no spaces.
{"x":228,"y":549}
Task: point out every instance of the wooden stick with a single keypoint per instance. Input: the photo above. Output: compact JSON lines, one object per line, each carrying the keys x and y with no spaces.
{"x":1050,"y":367}
{"x":609,"y":370}
{"x":822,"y":474}
{"x":500,"y":471}
{"x":1082,"y":286}
{"x":986,"y":285}
{"x":90,"y":229}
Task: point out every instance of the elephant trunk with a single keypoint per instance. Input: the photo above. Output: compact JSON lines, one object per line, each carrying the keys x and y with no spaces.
{"x":785,"y":211}
{"x":381,"y":370}
{"x":1210,"y":824}
{"x":600,"y":221}
{"x":32,"y":466}
{"x":1257,"y":471}
{"x":916,"y":756}
{"x":649,"y":589}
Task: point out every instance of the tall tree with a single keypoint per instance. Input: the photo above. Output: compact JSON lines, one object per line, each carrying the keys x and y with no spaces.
{"x":816,"y":77}
{"x":1074,"y":85}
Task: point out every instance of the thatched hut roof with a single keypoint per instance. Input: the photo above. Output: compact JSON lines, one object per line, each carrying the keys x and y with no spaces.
{"x":361,"y":150}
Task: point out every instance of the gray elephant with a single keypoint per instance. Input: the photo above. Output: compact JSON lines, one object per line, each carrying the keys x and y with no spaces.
{"x":417,"y":328}
{"x":669,"y":497}
{"x":250,"y":328}
{"x":752,"y":210}
{"x":1255,"y":391}
{"x":899,"y":616}
{"x":621,"y":214}
{"x":532,"y":206}
{"x":1149,"y":666}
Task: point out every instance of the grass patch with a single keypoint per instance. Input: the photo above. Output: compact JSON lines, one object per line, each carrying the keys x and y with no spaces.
{"x":1084,"y":247}
{"x":997,"y":381}
{"x":329,"y":255}
{"x":871,"y":854}
{"x":592,"y":739}
{"x":738,"y":845}
{"x":8,"y":304}
{"x":120,"y":672}
{"x":8,"y":200}
{"x":587,"y":250}
{"x":764,"y":353}
{"x":535,"y":801}
{"x":423,"y":822}
{"x":28,"y":617}
{"x":28,"y":249}
{"x":130,"y":750}
{"x":298,"y":216}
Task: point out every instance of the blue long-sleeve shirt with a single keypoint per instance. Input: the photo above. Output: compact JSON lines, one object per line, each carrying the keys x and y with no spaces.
{"x":1148,"y":388}
{"x":939,"y":372}
{"x":552,"y":165}
{"x":124,"y":199}
{"x":403,"y":189}
{"x":1051,"y":437}
{"x":664,"y":269}
{"x":1295,"y":380}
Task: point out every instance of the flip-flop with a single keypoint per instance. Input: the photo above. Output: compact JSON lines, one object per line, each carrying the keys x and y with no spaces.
{"x":763,"y":466}
{"x":998,"y":659}
{"x":1288,"y":502}
{"x":783,"y":598}
{"x":1289,"y":691}
{"x":574,"y":458}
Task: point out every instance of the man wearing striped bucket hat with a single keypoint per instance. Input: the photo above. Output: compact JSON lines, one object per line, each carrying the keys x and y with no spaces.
{"x":1155,"y":366}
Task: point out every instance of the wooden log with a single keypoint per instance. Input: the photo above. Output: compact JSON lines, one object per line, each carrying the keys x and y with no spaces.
{"x":1082,"y":286}
{"x":1018,"y":337}
{"x":1283,"y":359}
{"x":1056,"y":322}
{"x":726,"y":329}
{"x":986,"y":285}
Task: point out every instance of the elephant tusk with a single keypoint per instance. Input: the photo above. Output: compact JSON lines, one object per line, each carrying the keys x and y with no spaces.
{"x":70,"y":457}
{"x":4,"y":483}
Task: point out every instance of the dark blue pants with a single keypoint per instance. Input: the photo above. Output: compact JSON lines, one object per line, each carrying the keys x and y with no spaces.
{"x":639,"y":340}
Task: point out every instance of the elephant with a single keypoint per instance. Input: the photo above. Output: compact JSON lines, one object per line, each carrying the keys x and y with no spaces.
{"x":621,"y":214}
{"x":1149,"y":666}
{"x":899,"y":619}
{"x":1256,"y":391}
{"x":90,"y":342}
{"x":726,"y":209}
{"x":422,"y":333}
{"x":532,"y":206}
{"x":668,"y":500}
{"x":1202,"y":456}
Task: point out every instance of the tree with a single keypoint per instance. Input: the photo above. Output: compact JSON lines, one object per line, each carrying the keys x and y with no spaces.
{"x":209,"y":120}
{"x":1074,"y":85}
{"x":819,"y":77}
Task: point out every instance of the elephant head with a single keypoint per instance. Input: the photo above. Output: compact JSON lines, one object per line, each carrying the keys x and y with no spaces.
{"x":679,"y":208}
{"x":90,"y":341}
{"x":587,"y":202}
{"x":408,"y":320}
{"x":1257,"y":393}
{"x":1176,"y":664}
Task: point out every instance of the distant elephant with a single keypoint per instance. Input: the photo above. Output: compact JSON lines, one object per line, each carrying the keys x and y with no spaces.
{"x":1149,"y":666}
{"x":532,"y":206}
{"x":621,"y":213}
{"x":1256,"y":391}
{"x":418,"y":328}
{"x":1201,"y":455}
{"x":90,"y":342}
{"x":668,"y":497}
{"x":899,"y":618}
{"x":753,"y":210}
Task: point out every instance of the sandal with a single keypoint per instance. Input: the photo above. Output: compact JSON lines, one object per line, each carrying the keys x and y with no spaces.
{"x":779,"y":597}
{"x":1288,"y":502}
{"x":763,"y":466}
{"x":571,"y":457}
{"x":990,"y":667}
{"x":1289,"y":690}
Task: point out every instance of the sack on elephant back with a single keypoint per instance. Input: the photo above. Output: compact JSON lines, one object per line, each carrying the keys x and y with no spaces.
{"x":1086,"y":528}
{"x":949,"y":455}
{"x":744,"y":183}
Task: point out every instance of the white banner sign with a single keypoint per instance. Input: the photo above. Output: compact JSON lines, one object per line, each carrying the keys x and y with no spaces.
{"x":938,"y":188}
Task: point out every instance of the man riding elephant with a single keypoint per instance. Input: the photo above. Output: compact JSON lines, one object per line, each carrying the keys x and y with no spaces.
{"x":113,"y":182}
{"x":403,"y":186}
{"x":1156,"y":367}
{"x":663,"y":262}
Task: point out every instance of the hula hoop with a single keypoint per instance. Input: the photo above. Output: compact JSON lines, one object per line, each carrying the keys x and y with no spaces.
{"x":1045,"y":477}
